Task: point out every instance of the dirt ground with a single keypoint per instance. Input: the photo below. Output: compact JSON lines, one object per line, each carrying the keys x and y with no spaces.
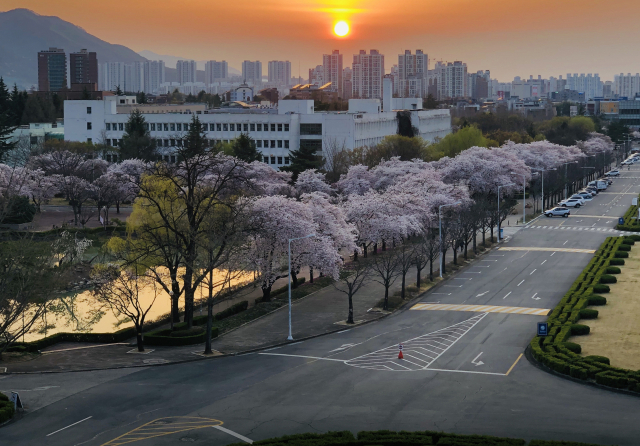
{"x":616,"y":332}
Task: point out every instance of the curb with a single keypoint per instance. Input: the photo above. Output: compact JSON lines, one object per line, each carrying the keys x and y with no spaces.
{"x":534,"y":362}
{"x":400,"y":309}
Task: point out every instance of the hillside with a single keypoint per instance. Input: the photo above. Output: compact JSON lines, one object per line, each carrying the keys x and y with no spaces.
{"x":23,"y":33}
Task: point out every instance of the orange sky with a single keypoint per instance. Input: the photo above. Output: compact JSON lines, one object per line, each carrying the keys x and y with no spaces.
{"x":517,"y":37}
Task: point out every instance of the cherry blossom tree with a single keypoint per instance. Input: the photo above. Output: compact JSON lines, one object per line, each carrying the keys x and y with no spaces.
{"x":41,"y":187}
{"x":311,"y":180}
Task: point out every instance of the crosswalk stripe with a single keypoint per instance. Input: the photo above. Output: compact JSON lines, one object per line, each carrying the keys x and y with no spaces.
{"x":482,"y":309}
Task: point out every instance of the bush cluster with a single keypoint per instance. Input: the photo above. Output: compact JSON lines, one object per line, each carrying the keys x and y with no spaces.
{"x":178,"y":338}
{"x":402,"y":438}
{"x":6,"y":408}
{"x":618,"y":262}
{"x":608,"y":278}
{"x":630,"y":224}
{"x":562,"y":357}
{"x":613,"y":270}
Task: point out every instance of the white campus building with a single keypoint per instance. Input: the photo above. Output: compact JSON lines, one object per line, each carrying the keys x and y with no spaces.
{"x":293,"y":124}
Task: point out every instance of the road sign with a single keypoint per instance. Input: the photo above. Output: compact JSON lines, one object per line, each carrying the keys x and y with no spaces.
{"x":15,"y":399}
{"x":543,"y":329}
{"x":400,"y":347}
{"x":621,"y":221}
{"x":634,"y":201}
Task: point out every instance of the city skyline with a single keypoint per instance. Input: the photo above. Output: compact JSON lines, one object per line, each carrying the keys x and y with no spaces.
{"x":478,"y":35}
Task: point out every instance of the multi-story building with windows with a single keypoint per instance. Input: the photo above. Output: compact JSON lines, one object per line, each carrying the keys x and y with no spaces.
{"x":316,"y":75}
{"x":187,"y":70}
{"x":332,"y":71}
{"x":451,"y":80}
{"x":626,"y":85}
{"x":215,"y":71}
{"x":252,"y":72}
{"x":277,"y":131}
{"x":52,"y":70}
{"x":83,"y":67}
{"x":590,"y":85}
{"x":412,"y":73}
{"x":279,"y":72}
{"x":368,"y":71}
{"x":154,"y":76}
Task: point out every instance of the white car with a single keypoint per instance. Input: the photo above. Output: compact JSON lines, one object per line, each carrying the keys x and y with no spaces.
{"x":587,"y":196}
{"x":561,"y":212}
{"x":627,"y":162}
{"x":578,"y":197}
{"x":570,"y":203}
{"x":613,"y":173}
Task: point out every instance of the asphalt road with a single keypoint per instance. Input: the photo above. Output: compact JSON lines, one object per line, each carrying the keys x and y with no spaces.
{"x":462,"y":369}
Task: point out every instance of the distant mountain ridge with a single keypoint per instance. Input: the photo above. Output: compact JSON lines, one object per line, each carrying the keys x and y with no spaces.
{"x":23,"y":33}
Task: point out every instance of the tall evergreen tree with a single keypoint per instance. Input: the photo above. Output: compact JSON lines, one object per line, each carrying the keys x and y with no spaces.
{"x":38,"y":110}
{"x":430,"y":102}
{"x":136,"y":141}
{"x":195,"y":141}
{"x":5,"y":100}
{"x":244,"y":148}
{"x":141,"y":98}
{"x":118,"y":91}
{"x":306,"y":157}
{"x":18,"y":102}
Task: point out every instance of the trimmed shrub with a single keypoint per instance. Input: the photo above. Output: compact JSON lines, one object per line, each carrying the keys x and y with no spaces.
{"x":594,"y":299}
{"x":618,"y":262}
{"x":575,"y":348}
{"x":579,"y":372}
{"x":194,"y":331}
{"x":599,"y":288}
{"x":624,"y":247}
{"x":613,"y":270}
{"x":6,"y":408}
{"x":390,"y":438}
{"x":580,"y":330}
{"x":607,"y":278}
{"x":628,"y":241}
{"x":558,"y":443}
{"x":633,"y":237}
{"x":610,"y":380}
{"x":621,"y":255}
{"x":598,"y":359}
{"x":168,"y":338}
{"x":588,"y":313}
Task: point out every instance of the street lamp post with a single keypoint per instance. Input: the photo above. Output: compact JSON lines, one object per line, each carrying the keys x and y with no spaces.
{"x":542,"y":171}
{"x":290,"y":338}
{"x":440,"y":227}
{"x":524,"y":191}
{"x":566,"y":177}
{"x":503,"y":185}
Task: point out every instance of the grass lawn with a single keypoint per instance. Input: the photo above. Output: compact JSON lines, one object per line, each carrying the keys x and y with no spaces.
{"x":616,"y":332}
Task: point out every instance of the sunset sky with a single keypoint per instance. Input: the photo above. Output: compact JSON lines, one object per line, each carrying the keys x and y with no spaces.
{"x":511,"y":38}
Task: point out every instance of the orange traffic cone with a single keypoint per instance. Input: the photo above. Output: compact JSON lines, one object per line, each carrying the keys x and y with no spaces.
{"x":400,"y":355}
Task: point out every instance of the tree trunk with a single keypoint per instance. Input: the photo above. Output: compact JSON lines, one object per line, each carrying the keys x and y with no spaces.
{"x":484,"y":233}
{"x":431,"y":270}
{"x":375,"y":249}
{"x":404,"y":279}
{"x":266,"y":294}
{"x":444,"y":262}
{"x":207,"y":345}
{"x":294,"y":280}
{"x":384,"y":245}
{"x":311,"y":274}
{"x":139,"y":340}
{"x":455,"y":255}
{"x":175,"y":287}
{"x":386,"y":298}
{"x":350,"y":316}
{"x":418,"y":282}
{"x":466,"y":249}
{"x":364,"y":250}
{"x":355,"y":255}
{"x":117,"y":207}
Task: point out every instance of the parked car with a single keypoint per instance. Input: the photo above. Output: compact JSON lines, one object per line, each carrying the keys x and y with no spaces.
{"x":599,"y":184}
{"x":613,"y":173}
{"x":592,"y":190}
{"x":588,"y":196}
{"x":578,"y":197}
{"x":570,"y":203}
{"x":627,"y":162}
{"x":561,"y":212}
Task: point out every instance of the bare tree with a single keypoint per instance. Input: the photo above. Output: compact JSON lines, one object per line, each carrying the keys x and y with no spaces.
{"x":353,"y":277}
{"x":385,"y":268}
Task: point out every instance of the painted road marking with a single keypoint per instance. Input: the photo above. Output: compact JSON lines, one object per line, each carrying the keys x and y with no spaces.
{"x":419,"y":353}
{"x":521,"y":282}
{"x":533,"y":272}
{"x":514,"y":364}
{"x":163,"y":426}
{"x":67,"y":427}
{"x":583,"y":251}
{"x":507,"y":295}
{"x":235,"y":434}
{"x":482,"y":309}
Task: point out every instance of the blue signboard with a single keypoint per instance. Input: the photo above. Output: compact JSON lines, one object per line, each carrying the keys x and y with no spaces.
{"x":543,"y":328}
{"x":621,"y":221}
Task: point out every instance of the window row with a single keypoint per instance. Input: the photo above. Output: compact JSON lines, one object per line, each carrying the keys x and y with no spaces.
{"x":260,"y":144}
{"x":273,"y":160}
{"x":216,"y":127}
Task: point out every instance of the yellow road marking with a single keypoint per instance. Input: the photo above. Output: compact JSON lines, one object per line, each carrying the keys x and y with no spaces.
{"x":513,"y":365}
{"x":583,"y":251}
{"x":151,"y":430}
{"x":482,"y":309}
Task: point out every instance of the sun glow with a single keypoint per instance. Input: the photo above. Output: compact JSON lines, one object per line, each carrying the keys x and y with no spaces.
{"x":341,"y":28}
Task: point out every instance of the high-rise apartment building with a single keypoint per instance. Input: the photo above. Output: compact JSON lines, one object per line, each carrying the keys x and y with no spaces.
{"x":154,"y":76}
{"x":412,"y":74}
{"x":316,"y":75}
{"x":215,"y":71}
{"x":347,"y":83}
{"x":83,"y":67}
{"x":479,"y":85}
{"x":332,"y":67}
{"x":52,"y":70}
{"x":626,"y":85}
{"x":280,"y":72}
{"x":368,"y":71}
{"x":451,"y":80}
{"x":187,"y":70}
{"x":590,"y":85}
{"x":252,"y":71}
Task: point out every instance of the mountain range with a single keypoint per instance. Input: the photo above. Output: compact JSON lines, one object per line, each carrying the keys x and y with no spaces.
{"x":23,"y":33}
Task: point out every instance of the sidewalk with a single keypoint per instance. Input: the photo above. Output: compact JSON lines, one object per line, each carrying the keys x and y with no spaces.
{"x":316,"y":314}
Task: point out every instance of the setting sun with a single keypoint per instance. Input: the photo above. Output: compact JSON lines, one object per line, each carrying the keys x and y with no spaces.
{"x":341,"y":29}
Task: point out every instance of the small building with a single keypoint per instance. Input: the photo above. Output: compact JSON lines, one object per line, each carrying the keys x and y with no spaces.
{"x":243,"y":93}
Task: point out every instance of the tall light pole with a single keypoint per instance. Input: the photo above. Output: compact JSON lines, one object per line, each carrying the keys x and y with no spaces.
{"x":566,"y":177}
{"x":503,"y":185}
{"x":542,"y":171}
{"x":440,"y":226}
{"x":290,"y":338}
{"x":524,"y":191}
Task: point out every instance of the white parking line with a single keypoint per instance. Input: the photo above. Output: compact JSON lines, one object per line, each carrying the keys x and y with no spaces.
{"x":67,"y":427}
{"x":532,"y":272}
{"x":507,"y":295}
{"x":521,"y":282}
{"x":543,"y":262}
{"x":235,"y":434}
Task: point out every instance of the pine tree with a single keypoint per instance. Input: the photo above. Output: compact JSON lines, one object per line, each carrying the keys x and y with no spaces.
{"x":118,"y":92}
{"x":18,"y":102}
{"x":195,"y":141}
{"x":430,"y":102}
{"x":141,"y":98}
{"x":306,"y":157}
{"x":5,"y":100}
{"x":136,"y":141}
{"x":244,"y":148}
{"x":6,"y":131}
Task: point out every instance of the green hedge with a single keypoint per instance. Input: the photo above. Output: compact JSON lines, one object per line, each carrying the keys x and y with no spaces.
{"x":618,"y":262}
{"x":630,"y":224}
{"x":553,"y":350}
{"x":624,"y":247}
{"x":621,"y":255}
{"x":6,"y":408}
{"x":613,"y":270}
{"x":402,"y":438}
{"x":608,"y":278}
{"x":202,"y":320}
